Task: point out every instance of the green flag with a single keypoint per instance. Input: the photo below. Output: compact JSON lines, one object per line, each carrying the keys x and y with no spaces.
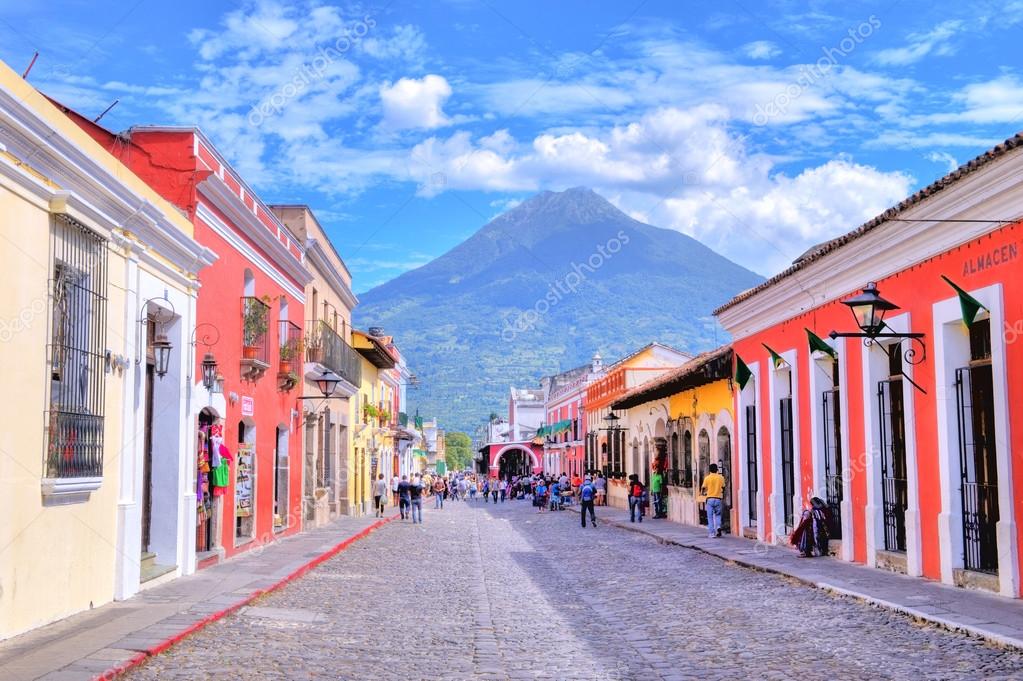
{"x":775,"y":357}
{"x":970,"y":305}
{"x":817,"y":344}
{"x":742,"y":372}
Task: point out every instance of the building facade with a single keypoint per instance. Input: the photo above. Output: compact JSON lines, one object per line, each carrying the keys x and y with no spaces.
{"x":325,"y":347}
{"x":908,"y":435}
{"x":249,"y":319}
{"x":92,"y":256}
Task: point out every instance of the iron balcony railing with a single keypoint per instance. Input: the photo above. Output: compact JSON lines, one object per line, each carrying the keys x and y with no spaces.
{"x":255,"y":323}
{"x":324,"y":345}
{"x":291,"y":342}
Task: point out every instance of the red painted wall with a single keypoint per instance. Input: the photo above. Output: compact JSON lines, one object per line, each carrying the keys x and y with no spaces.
{"x":915,"y":290}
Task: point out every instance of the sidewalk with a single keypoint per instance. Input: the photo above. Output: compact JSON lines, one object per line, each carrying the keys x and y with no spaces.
{"x":101,"y":643}
{"x":994,"y":618}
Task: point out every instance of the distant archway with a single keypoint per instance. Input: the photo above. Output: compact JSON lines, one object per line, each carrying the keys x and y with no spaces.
{"x":514,"y":460}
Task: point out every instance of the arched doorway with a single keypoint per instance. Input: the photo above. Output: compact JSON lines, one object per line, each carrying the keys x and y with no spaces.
{"x":514,"y":462}
{"x":724,"y":461}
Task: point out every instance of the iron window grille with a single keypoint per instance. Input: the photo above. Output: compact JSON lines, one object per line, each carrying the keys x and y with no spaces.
{"x":788,"y":481}
{"x":255,"y":323}
{"x":894,"y":482}
{"x":833,"y":459}
{"x":751,"y":465}
{"x":978,"y":460}
{"x":78,"y":307}
{"x":687,"y":456}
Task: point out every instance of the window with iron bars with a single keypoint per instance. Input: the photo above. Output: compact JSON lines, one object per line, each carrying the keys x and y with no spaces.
{"x":78,"y":305}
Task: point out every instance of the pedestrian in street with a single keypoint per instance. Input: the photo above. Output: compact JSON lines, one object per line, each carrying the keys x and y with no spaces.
{"x":404,"y":497}
{"x":539,"y":496}
{"x":494,"y":490}
{"x":395,"y":481}
{"x":657,"y":491}
{"x":473,"y":489}
{"x":486,"y":490}
{"x":379,"y":496}
{"x":601,"y":484}
{"x":713,"y":487}
{"x":502,"y":487}
{"x":555,"y":492}
{"x":637,"y":498}
{"x":587,"y":496}
{"x":416,"y":501}
{"x":462,"y":488}
{"x":439,"y":487}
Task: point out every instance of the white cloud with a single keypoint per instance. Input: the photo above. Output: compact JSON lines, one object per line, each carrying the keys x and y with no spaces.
{"x":412,"y":103}
{"x":943,"y":157}
{"x":920,"y":45}
{"x":761,"y":49}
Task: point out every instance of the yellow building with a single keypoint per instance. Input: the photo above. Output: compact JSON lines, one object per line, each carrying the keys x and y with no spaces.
{"x":94,"y":266}
{"x":371,"y":416}
{"x":681,"y":423}
{"x":328,"y":423}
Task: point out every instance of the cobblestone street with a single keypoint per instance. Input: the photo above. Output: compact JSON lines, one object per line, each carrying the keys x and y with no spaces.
{"x":502,"y":592}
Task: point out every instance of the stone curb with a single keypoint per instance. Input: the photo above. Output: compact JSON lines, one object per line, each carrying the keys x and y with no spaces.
{"x":170,"y":641}
{"x":944,"y":623}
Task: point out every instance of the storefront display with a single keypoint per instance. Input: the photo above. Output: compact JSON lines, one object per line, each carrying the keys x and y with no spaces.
{"x":243,"y":492}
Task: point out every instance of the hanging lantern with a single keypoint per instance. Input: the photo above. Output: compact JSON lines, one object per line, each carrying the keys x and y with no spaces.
{"x":218,"y":384}
{"x":161,"y":353}
{"x":209,"y":371}
{"x":869,"y":309}
{"x":327,"y":382}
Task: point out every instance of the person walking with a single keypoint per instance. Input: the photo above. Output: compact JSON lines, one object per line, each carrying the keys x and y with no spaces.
{"x":657,"y":491}
{"x":395,"y":481}
{"x":473,"y":489}
{"x":439,"y":487}
{"x":494,"y":490}
{"x":713,"y":487}
{"x":587,"y":497}
{"x":539,"y":496}
{"x":601,"y":484}
{"x":404,"y":497}
{"x":379,"y":496}
{"x":637,"y":497}
{"x":502,"y":487}
{"x":416,"y":499}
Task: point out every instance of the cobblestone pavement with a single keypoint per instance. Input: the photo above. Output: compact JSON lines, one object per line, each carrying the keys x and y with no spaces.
{"x":501,"y":592}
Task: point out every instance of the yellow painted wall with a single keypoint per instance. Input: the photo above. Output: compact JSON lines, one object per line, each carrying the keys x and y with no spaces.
{"x":358,"y":454}
{"x":56,"y":560}
{"x":711,"y":398}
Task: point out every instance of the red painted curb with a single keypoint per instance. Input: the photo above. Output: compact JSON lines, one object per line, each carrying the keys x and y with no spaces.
{"x":123,"y":667}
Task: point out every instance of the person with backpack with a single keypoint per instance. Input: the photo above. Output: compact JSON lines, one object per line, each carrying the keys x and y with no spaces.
{"x":812,"y":533}
{"x":637,"y":498}
{"x":714,"y":488}
{"x":587,"y":497}
{"x":416,"y":494}
{"x":404,"y":497}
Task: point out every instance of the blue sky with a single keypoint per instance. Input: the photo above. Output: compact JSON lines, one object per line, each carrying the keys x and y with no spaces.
{"x":760,"y":128}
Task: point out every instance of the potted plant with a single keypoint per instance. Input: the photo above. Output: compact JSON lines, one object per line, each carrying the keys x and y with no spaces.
{"x":314,"y":346}
{"x":289,"y":352}
{"x":254,"y":325}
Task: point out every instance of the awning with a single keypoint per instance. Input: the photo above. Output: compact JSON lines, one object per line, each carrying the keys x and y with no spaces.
{"x":555,"y":428}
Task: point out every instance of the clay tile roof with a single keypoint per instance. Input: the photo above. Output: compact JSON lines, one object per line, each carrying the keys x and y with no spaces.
{"x":822,"y":250}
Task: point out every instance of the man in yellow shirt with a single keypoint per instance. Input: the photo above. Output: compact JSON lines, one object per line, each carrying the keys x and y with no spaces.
{"x":714,"y":488}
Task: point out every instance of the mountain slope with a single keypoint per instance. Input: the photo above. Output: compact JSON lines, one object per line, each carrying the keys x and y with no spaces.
{"x":538,"y":290}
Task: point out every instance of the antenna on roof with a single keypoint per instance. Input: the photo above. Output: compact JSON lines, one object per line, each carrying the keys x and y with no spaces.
{"x":96,"y":119}
{"x":30,"y":65}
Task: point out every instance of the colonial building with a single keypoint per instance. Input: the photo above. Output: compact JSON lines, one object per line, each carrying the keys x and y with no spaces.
{"x":96,"y":321}
{"x":683,"y":422}
{"x":563,"y":433}
{"x":327,"y":329}
{"x":249,"y":317}
{"x":610,"y":440}
{"x":905,"y":419}
{"x":372,"y":417}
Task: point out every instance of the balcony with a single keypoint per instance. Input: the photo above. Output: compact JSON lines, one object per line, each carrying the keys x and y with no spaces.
{"x":290,"y":354}
{"x":325,"y":347}
{"x":255,"y":342}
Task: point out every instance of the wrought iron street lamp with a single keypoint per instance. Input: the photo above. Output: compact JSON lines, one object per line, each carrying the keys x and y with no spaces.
{"x":327,"y":382}
{"x":209,"y":371}
{"x":161,"y":354}
{"x":869,"y":310}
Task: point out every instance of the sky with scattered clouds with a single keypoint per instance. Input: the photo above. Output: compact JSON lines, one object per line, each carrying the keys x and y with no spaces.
{"x":759,"y":128}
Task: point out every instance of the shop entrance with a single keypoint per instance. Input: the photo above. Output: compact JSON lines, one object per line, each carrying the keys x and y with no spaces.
{"x":207,"y":505}
{"x":514,"y":462}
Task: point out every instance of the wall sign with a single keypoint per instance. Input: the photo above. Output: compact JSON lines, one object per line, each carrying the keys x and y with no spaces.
{"x":993,"y":258}
{"x":248,"y":406}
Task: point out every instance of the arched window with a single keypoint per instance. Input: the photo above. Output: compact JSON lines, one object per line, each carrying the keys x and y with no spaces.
{"x":703,"y":444}
{"x":249,"y":283}
{"x":687,"y":459}
{"x":674,"y":477}
{"x":725,"y":461}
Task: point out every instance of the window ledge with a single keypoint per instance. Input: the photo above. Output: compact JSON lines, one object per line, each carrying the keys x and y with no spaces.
{"x":59,"y":491}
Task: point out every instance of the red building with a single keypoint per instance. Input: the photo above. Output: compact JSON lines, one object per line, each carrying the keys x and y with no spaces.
{"x":250,"y":310}
{"x":910,"y":440}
